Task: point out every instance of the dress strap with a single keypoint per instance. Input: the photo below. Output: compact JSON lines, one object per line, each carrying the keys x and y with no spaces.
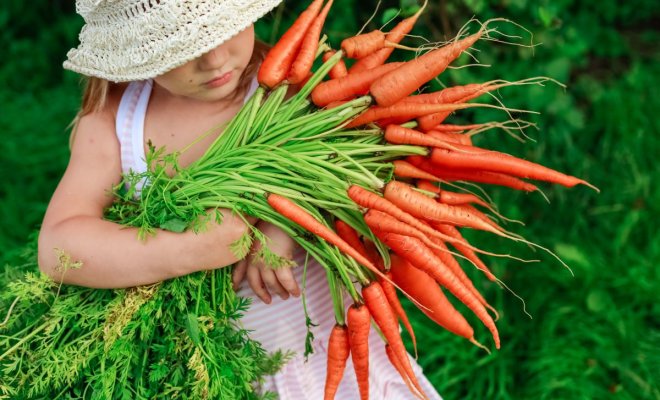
{"x":130,"y":125}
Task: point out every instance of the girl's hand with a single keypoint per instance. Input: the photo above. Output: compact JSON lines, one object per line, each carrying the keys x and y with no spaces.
{"x":262,"y":278}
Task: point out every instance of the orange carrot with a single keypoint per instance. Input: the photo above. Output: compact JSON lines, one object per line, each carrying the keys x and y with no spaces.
{"x":404,"y":169}
{"x":417,"y":254}
{"x":394,"y":86}
{"x":424,"y":207}
{"x":301,"y":217}
{"x":452,"y":231}
{"x":452,"y":137}
{"x":455,"y":267}
{"x":380,"y":310}
{"x":405,"y":111}
{"x":399,"y":368}
{"x":503,"y":163}
{"x":393,"y":300}
{"x":362,"y":45}
{"x":358,"y":320}
{"x":346,"y":232}
{"x":452,"y":198}
{"x":394,"y":36}
{"x":488,"y":177}
{"x":338,"y":352}
{"x":397,"y":134}
{"x":426,"y":290}
{"x":371,"y":200}
{"x":348,"y":86}
{"x":374,"y":255}
{"x":302,"y":66}
{"x":278,"y":61}
{"x":339,"y":70}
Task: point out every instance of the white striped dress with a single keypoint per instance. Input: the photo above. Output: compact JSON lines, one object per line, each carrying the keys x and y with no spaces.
{"x":281,"y":324}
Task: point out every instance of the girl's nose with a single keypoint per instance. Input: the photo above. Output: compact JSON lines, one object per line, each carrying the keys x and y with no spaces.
{"x":214,"y":59}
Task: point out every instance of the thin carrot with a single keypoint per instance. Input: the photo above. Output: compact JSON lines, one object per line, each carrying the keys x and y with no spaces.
{"x":488,"y":177}
{"x":396,"y":85}
{"x":338,"y":352}
{"x":371,"y":200}
{"x":455,"y":267}
{"x":452,"y":137}
{"x":417,"y":254}
{"x":295,"y":213}
{"x":346,"y":232}
{"x":452,"y":198}
{"x":393,"y":300}
{"x":351,"y":85}
{"x":436,"y":305}
{"x":397,"y":134}
{"x":380,"y":310}
{"x":362,"y":45}
{"x":358,"y":320}
{"x":278,"y":61}
{"x":424,"y":207}
{"x":339,"y":70}
{"x":452,"y":231}
{"x":404,"y":169}
{"x":394,"y":36}
{"x":302,"y":66}
{"x":503,"y":163}
{"x":399,"y":368}
{"x":406,"y":111}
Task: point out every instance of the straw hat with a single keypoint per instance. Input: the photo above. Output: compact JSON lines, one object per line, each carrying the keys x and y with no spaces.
{"x":127,"y":40}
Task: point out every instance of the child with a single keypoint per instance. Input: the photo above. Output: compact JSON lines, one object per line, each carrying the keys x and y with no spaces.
{"x":164,"y":71}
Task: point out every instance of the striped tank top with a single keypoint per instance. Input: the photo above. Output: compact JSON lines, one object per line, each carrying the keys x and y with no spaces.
{"x":281,"y":324}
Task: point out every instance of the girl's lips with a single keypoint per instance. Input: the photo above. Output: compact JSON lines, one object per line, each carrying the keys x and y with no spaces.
{"x":219,"y":81}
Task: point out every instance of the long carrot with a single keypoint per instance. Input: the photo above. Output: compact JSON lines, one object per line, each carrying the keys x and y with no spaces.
{"x":339,"y":70}
{"x":452,"y":231}
{"x":278,"y":61}
{"x":394,"y":36}
{"x":397,"y":134}
{"x":295,"y":213}
{"x":393,"y":300}
{"x":302,"y":66}
{"x":362,"y":45}
{"x":396,"y":85}
{"x":452,"y":198}
{"x":452,"y":137}
{"x":370,"y":200}
{"x":406,"y":111}
{"x":488,"y":177}
{"x":399,"y":368}
{"x":346,"y":232}
{"x":426,"y":290}
{"x":404,"y":169}
{"x":503,"y":163}
{"x":417,"y":254}
{"x":422,"y":206}
{"x":358,"y":320}
{"x":338,"y":352}
{"x":351,"y":85}
{"x":381,"y":312}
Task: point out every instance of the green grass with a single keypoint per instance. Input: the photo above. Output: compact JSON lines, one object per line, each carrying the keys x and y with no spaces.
{"x":594,"y":335}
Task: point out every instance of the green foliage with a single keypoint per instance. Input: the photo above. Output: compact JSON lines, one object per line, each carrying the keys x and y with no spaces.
{"x":592,"y":336}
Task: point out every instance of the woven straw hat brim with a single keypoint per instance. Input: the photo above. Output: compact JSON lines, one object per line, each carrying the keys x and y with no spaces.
{"x":135,"y":40}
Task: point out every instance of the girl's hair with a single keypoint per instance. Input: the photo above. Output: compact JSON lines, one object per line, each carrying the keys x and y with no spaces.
{"x":95,"y":94}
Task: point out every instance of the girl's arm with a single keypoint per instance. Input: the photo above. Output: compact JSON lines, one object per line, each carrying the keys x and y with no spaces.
{"x":112,"y":256}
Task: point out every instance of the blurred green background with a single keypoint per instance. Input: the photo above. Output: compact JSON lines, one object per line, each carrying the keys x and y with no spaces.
{"x":595,"y":335}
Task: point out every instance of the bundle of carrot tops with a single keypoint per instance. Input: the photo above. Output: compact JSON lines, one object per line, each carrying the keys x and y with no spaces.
{"x":358,"y":166}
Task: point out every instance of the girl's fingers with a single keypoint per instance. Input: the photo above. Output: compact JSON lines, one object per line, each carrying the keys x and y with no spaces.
{"x":270,"y":279}
{"x":288,"y":281}
{"x":257,"y":284}
{"x":238,"y":274}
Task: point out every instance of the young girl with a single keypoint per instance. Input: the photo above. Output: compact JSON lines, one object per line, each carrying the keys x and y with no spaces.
{"x":163,"y":72}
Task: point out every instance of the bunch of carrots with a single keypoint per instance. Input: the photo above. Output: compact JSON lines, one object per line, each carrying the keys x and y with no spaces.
{"x":411,"y":215}
{"x":355,"y":167}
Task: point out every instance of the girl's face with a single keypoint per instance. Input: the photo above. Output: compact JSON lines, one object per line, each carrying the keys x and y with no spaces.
{"x":213,"y":76}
